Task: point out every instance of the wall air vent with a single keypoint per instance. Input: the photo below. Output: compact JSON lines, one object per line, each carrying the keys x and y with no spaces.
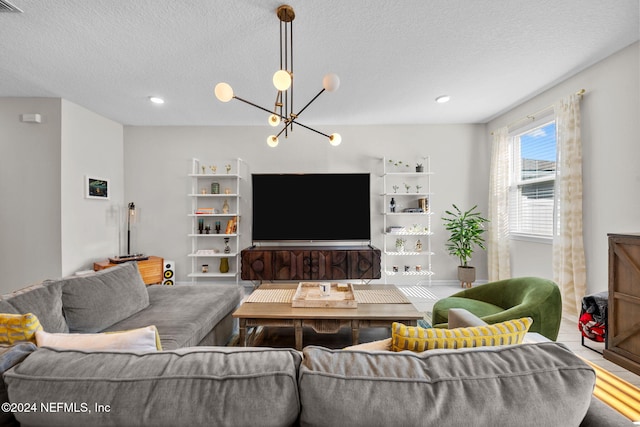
{"x":5,"y":7}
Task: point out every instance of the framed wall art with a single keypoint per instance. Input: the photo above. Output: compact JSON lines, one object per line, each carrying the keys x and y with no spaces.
{"x":96,"y":188}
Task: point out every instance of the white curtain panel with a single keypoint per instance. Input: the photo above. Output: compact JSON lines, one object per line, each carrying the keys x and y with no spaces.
{"x":498,"y":253}
{"x":569,"y":270}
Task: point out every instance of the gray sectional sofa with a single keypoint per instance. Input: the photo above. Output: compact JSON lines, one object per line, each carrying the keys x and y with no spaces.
{"x":117,"y":299}
{"x":541,"y":384}
{"x":537,"y":384}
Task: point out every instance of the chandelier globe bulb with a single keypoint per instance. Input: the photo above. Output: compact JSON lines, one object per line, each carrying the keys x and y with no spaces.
{"x":282,"y":80}
{"x":224,"y":92}
{"x":331,"y":82}
{"x":274,"y":120}
{"x":272,"y":141}
{"x":335,"y":139}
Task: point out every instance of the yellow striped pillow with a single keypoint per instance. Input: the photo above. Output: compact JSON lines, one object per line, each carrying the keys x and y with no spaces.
{"x":18,"y":328}
{"x":421,"y":339}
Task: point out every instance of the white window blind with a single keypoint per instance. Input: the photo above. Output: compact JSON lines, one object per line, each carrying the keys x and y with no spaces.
{"x":531,"y":203}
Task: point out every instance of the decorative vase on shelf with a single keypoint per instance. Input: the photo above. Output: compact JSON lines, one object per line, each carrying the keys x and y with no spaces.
{"x":224,"y":265}
{"x":225,"y":207}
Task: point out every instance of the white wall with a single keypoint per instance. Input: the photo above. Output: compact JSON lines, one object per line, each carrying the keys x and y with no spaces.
{"x":611,"y":149}
{"x":91,"y":145}
{"x":47,"y":228}
{"x":158,"y":159}
{"x":29,"y":192}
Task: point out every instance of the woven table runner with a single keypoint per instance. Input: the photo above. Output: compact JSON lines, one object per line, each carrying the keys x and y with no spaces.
{"x":380,"y":296}
{"x":271,"y":295}
{"x":369,"y":296}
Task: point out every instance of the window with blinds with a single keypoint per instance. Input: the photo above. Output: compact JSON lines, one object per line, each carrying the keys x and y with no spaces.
{"x":531,"y":204}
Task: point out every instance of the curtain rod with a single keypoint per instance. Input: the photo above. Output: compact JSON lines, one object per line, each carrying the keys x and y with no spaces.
{"x":533,"y":115}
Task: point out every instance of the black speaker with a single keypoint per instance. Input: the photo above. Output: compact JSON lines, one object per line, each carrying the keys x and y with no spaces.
{"x":168,"y":273}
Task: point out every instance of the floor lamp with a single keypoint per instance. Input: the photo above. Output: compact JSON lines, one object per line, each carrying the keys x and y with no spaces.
{"x":131,"y":217}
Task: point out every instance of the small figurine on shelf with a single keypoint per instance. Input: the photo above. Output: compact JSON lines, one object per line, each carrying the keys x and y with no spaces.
{"x":395,"y":188}
{"x":228,"y":167}
{"x":392,"y":205}
{"x":418,"y":246}
{"x":224,"y":265}
{"x":214,"y":168}
{"x":225,"y":207}
{"x":398,"y":163}
{"x":207,"y":229}
{"x":227,"y":249}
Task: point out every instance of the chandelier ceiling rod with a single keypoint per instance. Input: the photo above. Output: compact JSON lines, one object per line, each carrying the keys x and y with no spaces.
{"x":283,"y":81}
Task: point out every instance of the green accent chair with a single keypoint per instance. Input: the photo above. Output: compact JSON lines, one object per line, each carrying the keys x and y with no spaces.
{"x":508,"y":299}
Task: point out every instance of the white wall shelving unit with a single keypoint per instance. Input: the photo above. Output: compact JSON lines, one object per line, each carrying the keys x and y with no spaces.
{"x":408,"y":222}
{"x":207,"y":210}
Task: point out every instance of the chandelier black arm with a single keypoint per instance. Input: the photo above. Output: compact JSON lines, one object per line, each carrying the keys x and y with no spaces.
{"x":295,"y":116}
{"x":304,"y":126}
{"x":309,"y":103}
{"x":290,"y":122}
{"x":255,"y":105}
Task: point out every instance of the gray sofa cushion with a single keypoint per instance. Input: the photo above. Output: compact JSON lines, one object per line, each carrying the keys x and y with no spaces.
{"x":214,"y":386}
{"x":9,"y":357}
{"x":93,"y":303}
{"x":491,"y":386}
{"x":6,"y":307}
{"x":45,"y":301}
{"x":183,"y":314}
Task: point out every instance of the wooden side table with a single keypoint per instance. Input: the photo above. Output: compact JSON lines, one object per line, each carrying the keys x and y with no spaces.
{"x":151,"y":269}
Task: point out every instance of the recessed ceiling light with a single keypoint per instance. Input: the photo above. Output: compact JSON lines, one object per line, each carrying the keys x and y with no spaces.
{"x":156,"y":100}
{"x":442,"y":99}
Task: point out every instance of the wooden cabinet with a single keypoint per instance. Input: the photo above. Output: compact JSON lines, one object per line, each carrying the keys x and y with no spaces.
{"x":151,"y":269}
{"x":310,"y":263}
{"x":623,"y":324}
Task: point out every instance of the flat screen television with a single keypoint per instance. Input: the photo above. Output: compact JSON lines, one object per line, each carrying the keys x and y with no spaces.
{"x":309,"y":207}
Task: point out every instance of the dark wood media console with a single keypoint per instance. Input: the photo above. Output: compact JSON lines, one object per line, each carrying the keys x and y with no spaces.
{"x":268,"y":263}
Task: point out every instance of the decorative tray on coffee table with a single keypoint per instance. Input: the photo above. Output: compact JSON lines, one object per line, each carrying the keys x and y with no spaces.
{"x":308,"y":294}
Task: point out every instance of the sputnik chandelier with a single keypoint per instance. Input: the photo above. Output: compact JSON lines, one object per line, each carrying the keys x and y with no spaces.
{"x":283,"y":110}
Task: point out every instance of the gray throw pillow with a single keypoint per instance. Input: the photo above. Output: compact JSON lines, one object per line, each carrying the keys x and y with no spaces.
{"x":93,"y":303}
{"x":44,"y":300}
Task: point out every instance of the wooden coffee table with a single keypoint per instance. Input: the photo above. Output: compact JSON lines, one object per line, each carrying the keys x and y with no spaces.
{"x":323,"y":320}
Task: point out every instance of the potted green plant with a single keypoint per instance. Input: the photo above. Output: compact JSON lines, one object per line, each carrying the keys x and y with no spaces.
{"x":466,"y":232}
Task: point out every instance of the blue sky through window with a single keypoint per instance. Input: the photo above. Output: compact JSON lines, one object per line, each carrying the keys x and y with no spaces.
{"x":539,"y":143}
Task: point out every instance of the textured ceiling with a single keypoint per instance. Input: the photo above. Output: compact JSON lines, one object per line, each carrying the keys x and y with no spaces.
{"x":393,"y":57}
